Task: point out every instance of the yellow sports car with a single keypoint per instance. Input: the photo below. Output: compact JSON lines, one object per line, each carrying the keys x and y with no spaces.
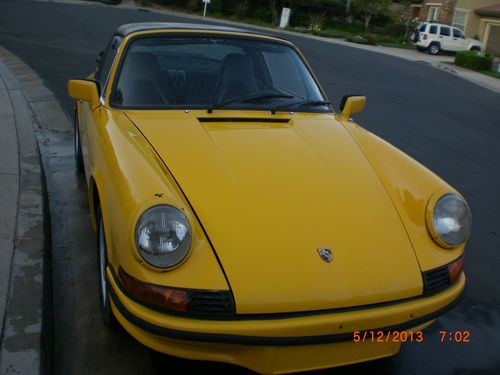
{"x":242,"y":219}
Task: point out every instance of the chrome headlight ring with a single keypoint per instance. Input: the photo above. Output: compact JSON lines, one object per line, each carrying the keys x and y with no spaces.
{"x":163,"y":236}
{"x":449,"y":220}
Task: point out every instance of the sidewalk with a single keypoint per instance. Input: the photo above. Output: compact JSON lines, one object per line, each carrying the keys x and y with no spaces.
{"x":23,"y":244}
{"x":441,"y":62}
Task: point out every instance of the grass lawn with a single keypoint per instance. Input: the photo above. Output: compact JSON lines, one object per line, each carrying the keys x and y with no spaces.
{"x":491,"y":73}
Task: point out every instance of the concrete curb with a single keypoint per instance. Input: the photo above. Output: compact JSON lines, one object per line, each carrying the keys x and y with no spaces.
{"x":26,"y":336}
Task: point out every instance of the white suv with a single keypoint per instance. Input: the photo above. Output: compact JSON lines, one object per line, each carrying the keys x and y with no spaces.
{"x":436,"y":37}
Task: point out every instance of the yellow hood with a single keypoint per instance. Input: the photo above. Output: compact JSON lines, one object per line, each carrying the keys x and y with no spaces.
{"x":270,"y":194}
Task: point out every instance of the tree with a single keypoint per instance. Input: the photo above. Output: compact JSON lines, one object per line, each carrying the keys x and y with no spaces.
{"x":406,"y":21}
{"x":348,"y":10}
{"x":370,"y":8}
{"x":275,"y":11}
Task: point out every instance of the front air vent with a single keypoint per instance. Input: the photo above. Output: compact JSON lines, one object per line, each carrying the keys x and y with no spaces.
{"x":243,"y":119}
{"x":436,"y":280}
{"x":211,"y":304}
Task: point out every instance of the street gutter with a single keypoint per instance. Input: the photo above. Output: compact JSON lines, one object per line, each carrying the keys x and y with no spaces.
{"x":26,"y":337}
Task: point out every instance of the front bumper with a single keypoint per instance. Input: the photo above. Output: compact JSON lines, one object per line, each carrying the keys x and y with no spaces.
{"x":280,"y":344}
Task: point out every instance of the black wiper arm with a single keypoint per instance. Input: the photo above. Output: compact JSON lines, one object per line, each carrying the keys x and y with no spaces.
{"x":248,"y":99}
{"x":267,"y":96}
{"x":302,"y":104}
{"x":313,"y":103}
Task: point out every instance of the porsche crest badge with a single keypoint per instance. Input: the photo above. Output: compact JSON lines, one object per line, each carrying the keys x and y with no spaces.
{"x":325,"y":254}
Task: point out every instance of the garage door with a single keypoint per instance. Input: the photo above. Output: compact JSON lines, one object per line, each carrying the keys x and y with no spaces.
{"x":493,"y":44}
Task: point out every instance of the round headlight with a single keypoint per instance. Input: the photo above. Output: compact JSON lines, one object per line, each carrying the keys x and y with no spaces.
{"x":163,"y":236}
{"x":451,"y":220}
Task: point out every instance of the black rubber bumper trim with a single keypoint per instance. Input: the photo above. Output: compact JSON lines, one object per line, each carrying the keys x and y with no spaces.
{"x":264,"y":340}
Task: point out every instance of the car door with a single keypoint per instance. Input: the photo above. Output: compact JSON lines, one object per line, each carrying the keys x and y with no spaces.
{"x":433,"y":32}
{"x":445,"y":38}
{"x":88,"y":117}
{"x":459,"y":42}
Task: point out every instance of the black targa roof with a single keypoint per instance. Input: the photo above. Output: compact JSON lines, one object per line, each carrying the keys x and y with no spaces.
{"x":130,"y":28}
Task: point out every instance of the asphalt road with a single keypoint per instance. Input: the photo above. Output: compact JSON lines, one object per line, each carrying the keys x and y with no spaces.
{"x":448,"y":124}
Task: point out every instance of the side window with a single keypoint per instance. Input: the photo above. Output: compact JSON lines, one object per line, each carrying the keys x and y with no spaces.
{"x":107,"y":61}
{"x":460,"y":19}
{"x":285,"y":73}
{"x":445,"y":31}
{"x":422,"y":28}
{"x":433,"y":15}
{"x":457,"y":33}
{"x":433,"y":29}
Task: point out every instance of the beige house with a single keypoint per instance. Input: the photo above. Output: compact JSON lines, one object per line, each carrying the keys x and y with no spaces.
{"x":476,"y":18}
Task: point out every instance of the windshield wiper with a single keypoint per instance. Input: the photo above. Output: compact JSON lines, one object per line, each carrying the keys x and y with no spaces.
{"x":248,"y":99}
{"x":302,"y":104}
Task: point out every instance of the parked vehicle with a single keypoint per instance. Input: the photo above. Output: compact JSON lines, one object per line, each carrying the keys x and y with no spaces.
{"x":241,"y":219}
{"x":436,"y":37}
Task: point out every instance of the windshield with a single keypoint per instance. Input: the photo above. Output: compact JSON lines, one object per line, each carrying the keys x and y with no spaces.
{"x":214,"y":72}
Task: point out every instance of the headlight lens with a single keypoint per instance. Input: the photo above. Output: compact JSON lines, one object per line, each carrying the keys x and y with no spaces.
{"x":163,"y":236}
{"x":452,"y":220}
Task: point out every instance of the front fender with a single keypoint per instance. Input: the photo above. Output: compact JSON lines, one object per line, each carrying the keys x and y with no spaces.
{"x":130,"y":178}
{"x":410,"y":186}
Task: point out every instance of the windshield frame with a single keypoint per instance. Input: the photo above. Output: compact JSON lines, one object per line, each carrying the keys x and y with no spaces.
{"x":208,"y":34}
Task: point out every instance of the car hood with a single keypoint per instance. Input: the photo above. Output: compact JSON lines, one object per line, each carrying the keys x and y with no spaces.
{"x":270,"y":194}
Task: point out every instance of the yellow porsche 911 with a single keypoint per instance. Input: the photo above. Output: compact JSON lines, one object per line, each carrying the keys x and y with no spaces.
{"x":241,"y":219}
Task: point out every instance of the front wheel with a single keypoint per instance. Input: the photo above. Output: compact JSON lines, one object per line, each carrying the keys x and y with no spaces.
{"x":434,"y":49}
{"x":102,"y":259}
{"x":475,"y":48}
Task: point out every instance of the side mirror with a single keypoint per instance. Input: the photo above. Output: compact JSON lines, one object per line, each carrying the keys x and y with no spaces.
{"x":350,"y":105}
{"x":80,"y":89}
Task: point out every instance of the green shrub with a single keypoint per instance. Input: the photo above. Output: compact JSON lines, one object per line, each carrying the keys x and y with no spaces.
{"x":384,"y":38}
{"x":193,"y":5}
{"x":263,"y":14}
{"x":111,"y":2}
{"x":370,"y":39}
{"x":300,"y":29}
{"x":241,"y":9}
{"x":340,"y":23}
{"x":474,"y":60}
{"x":333,"y":34}
{"x":367,"y":39}
{"x":316,"y":22}
{"x":299,"y":18}
{"x":356,"y":39}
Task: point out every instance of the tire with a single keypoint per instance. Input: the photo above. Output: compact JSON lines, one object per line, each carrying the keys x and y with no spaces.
{"x":78,"y":146}
{"x":434,"y":49}
{"x":102,"y":260}
{"x":475,"y":48}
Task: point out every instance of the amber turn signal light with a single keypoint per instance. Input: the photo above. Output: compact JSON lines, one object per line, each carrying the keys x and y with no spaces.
{"x":160,"y":297}
{"x":455,"y":269}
